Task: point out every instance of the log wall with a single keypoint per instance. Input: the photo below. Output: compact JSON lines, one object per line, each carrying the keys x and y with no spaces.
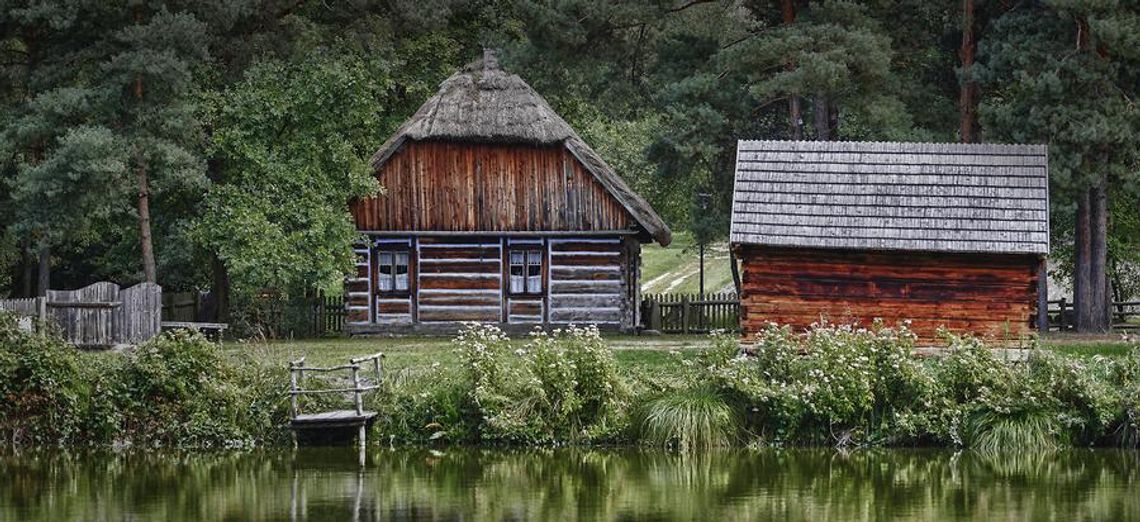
{"x":435,"y":186}
{"x":985,"y":294}
{"x":459,"y":279}
{"x":587,"y":281}
{"x":453,"y":279}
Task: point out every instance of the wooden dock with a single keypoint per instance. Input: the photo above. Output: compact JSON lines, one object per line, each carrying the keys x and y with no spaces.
{"x":336,"y":427}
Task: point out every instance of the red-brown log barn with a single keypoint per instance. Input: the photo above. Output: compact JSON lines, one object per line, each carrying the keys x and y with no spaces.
{"x":944,"y":235}
{"x":496,"y":211}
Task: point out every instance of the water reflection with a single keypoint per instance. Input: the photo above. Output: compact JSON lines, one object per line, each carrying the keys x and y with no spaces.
{"x":566,"y":484}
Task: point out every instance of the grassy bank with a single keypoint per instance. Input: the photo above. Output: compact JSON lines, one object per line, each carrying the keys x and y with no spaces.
{"x":833,"y":385}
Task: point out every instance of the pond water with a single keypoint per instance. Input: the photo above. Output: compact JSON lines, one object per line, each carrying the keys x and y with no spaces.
{"x":569,"y":484}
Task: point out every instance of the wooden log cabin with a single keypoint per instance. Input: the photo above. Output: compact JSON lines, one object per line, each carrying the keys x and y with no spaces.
{"x":942,"y":235}
{"x":496,"y":211}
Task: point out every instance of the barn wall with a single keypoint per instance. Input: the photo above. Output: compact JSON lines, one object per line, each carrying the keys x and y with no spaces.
{"x":436,"y":186}
{"x":985,"y":294}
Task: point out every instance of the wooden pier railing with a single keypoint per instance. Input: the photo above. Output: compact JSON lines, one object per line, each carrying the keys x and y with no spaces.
{"x":332,"y":425}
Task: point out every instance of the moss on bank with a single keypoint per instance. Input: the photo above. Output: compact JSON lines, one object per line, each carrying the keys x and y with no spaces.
{"x":834,"y":385}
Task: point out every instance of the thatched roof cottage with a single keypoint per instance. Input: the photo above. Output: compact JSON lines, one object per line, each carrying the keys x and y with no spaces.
{"x":496,"y":211}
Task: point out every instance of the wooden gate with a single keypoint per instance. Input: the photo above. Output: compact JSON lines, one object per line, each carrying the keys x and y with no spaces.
{"x":99,"y":314}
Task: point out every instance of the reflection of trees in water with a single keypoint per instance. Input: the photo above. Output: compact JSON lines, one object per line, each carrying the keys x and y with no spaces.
{"x":574,"y":483}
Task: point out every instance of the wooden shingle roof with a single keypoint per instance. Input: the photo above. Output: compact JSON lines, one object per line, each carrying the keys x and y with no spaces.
{"x":936,"y":197}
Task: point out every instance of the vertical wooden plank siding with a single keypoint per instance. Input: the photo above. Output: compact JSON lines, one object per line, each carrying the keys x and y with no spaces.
{"x":984,"y":294}
{"x":436,"y":186}
{"x":140,"y":316}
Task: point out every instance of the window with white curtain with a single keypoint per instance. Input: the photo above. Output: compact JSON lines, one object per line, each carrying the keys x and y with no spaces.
{"x":526,"y":272}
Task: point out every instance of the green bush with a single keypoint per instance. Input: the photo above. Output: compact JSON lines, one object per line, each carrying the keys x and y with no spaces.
{"x":556,"y":388}
{"x":843,"y":384}
{"x":43,"y":396}
{"x":175,"y":390}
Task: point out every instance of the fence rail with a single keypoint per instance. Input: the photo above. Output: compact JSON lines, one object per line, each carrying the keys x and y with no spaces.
{"x":1125,"y":315}
{"x":690,"y":313}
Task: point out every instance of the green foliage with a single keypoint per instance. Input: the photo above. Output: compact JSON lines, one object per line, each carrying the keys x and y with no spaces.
{"x":43,"y":394}
{"x":292,"y":141}
{"x":843,"y":384}
{"x":990,"y":432}
{"x":558,"y":387}
{"x":175,"y":390}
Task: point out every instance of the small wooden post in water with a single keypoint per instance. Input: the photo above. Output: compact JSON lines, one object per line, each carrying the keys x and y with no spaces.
{"x":362,"y":431}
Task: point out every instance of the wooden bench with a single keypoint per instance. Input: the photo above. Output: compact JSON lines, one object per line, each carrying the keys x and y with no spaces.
{"x":211,"y":330}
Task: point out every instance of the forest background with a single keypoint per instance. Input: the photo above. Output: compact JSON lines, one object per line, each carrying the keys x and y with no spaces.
{"x":216,"y":143}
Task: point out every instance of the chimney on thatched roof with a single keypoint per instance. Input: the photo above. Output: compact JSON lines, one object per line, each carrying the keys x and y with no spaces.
{"x":482,"y":103}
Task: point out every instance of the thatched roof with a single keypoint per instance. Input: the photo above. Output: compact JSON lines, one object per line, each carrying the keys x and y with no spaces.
{"x":482,"y":103}
{"x":934,"y":197}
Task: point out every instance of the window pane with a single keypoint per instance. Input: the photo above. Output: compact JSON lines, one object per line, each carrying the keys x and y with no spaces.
{"x":534,"y":272}
{"x":534,"y":257}
{"x":401,"y":271}
{"x":517,"y":258}
{"x":384,"y":267}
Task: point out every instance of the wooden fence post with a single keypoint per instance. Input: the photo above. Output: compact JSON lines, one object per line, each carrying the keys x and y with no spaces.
{"x":356,"y":391}
{"x":41,"y":313}
{"x":685,"y":314}
{"x":1063,"y":318}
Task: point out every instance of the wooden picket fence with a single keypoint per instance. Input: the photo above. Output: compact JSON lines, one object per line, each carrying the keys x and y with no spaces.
{"x":298,"y":317}
{"x":690,"y":313}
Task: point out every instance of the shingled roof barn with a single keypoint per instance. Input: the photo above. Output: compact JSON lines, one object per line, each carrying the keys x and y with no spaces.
{"x":496,"y":211}
{"x":944,"y":235}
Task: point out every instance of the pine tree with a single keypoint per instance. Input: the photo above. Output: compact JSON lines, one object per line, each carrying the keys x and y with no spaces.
{"x":1065,"y":73}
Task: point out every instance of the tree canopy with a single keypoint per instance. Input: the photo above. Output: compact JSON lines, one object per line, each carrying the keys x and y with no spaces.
{"x":201,"y":143}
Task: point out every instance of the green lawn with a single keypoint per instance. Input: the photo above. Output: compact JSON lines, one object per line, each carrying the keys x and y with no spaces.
{"x":632,"y":352}
{"x":676,"y":268}
{"x":1089,"y":346}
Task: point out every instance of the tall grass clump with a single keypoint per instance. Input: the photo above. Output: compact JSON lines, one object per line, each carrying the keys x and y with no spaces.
{"x":687,"y":420}
{"x":990,"y":432}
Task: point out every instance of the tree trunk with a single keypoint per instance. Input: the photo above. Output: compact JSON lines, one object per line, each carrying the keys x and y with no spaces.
{"x":221,"y":289}
{"x":1100,"y":309}
{"x":144,"y":203}
{"x":29,"y":269}
{"x":144,"y":225}
{"x":967,"y":96}
{"x":44,"y":276}
{"x":1082,"y":284}
{"x":832,"y":120}
{"x":821,"y":117}
{"x":795,"y":109}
